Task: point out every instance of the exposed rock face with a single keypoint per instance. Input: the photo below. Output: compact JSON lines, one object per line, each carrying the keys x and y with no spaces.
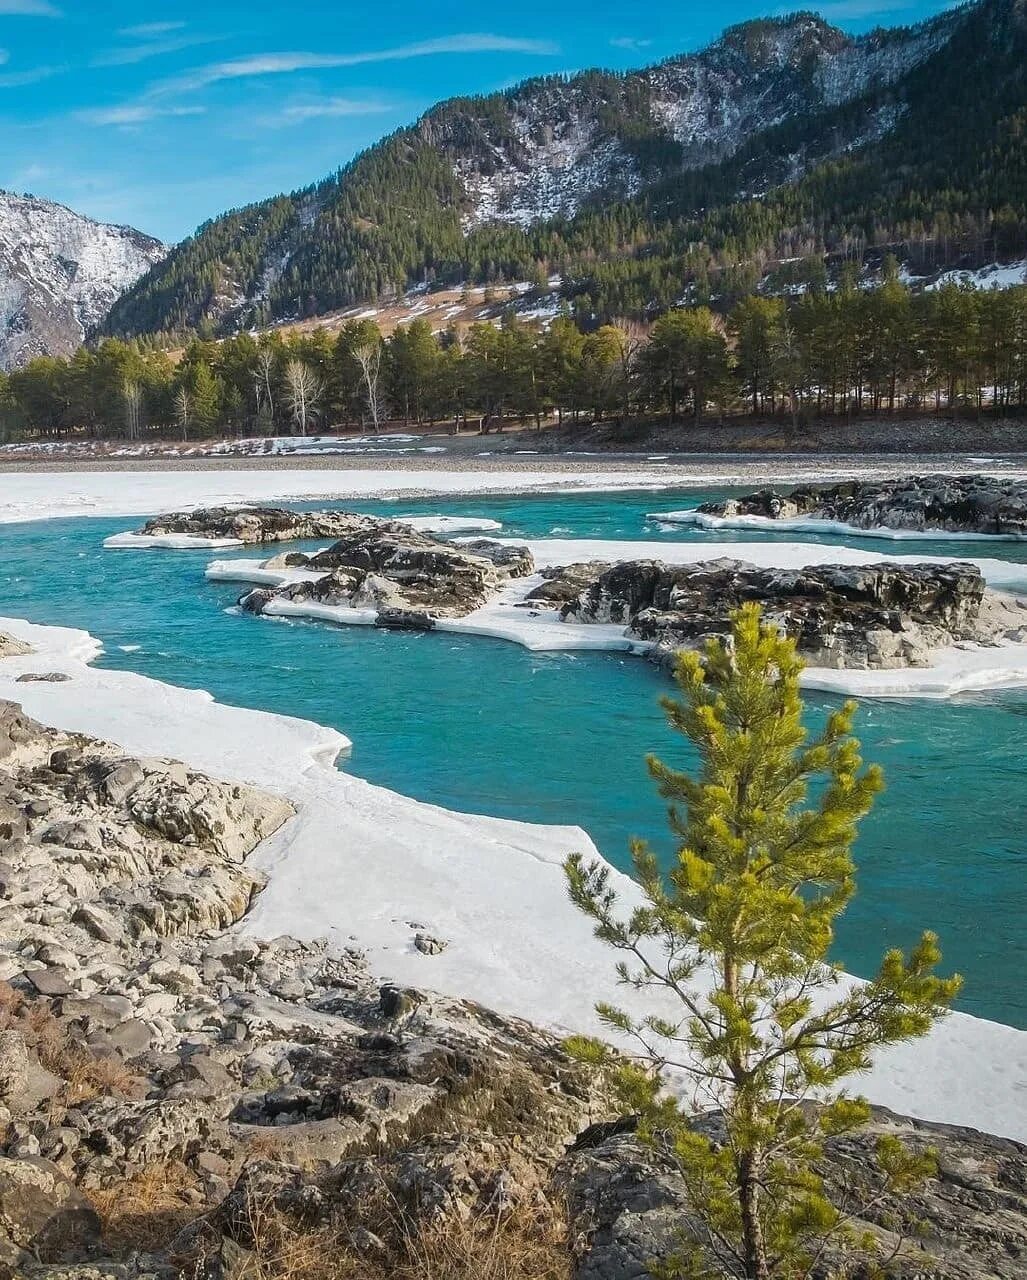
{"x":950,"y":504}
{"x":409,"y":579}
{"x":60,"y":273}
{"x":628,"y":1207}
{"x":842,"y":616}
{"x":168,"y":1041}
{"x":260,"y":524}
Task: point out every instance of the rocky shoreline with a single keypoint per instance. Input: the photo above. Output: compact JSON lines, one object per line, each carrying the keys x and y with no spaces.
{"x":922,"y":504}
{"x":172,"y":1092}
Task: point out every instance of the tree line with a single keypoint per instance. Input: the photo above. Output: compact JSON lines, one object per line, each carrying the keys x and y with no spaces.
{"x":847,"y":351}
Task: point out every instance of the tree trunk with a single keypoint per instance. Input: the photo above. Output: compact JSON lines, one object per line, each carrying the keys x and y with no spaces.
{"x":756,"y":1265}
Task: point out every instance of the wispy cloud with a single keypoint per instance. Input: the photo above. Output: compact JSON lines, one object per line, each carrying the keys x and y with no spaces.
{"x":18,"y":79}
{"x":632,"y":43}
{"x":266,"y":64}
{"x":152,"y":48}
{"x":133,"y":114}
{"x":30,"y":8}
{"x":324,"y":108}
{"x":147,"y":30}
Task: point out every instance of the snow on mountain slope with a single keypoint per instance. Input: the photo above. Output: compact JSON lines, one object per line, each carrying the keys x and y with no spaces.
{"x":561,"y":142}
{"x":60,"y":273}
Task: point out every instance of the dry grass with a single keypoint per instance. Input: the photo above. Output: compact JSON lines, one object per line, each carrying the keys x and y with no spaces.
{"x":147,"y":1212}
{"x":525,"y":1244}
{"x":86,"y":1075}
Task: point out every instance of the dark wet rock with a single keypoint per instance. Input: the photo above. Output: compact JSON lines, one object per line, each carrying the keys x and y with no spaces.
{"x":953,"y":504}
{"x":512,"y":559}
{"x":258,"y":524}
{"x":43,"y":677}
{"x":842,"y":616}
{"x":564,"y":585}
{"x":404,"y":578}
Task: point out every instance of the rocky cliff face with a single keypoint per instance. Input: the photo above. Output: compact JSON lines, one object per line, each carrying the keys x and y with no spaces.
{"x":60,"y":273}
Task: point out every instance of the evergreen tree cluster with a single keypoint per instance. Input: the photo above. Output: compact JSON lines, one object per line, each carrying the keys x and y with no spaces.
{"x":846,"y":351}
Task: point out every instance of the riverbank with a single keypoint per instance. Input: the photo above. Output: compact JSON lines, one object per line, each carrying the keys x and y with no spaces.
{"x":492,"y":890}
{"x":146,"y":486}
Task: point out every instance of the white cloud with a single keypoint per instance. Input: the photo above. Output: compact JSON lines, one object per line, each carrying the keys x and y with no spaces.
{"x":147,"y":30}
{"x":324,"y":108}
{"x":150,"y":49}
{"x":17,"y":79}
{"x":30,"y":8}
{"x":265,"y":64}
{"x":133,"y":114}
{"x":632,"y":43}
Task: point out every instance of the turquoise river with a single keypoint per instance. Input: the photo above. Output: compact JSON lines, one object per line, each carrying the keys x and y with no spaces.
{"x":484,"y":726}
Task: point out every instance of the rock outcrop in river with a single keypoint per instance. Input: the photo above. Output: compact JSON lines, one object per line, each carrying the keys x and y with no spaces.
{"x":179,"y":1099}
{"x":948,"y":504}
{"x":841,"y":616}
{"x":407,"y":578}
{"x":255,"y":525}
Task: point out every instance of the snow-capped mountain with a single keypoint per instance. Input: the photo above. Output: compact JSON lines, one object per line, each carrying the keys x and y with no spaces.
{"x":60,"y":273}
{"x":634,"y":187}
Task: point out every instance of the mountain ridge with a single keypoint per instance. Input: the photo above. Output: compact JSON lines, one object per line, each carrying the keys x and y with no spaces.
{"x":587,"y":174}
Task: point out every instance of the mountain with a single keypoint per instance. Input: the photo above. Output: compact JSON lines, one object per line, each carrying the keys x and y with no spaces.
{"x":786,"y":139}
{"x":60,"y":274}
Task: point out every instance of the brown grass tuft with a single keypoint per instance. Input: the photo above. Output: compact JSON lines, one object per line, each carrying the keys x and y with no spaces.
{"x":147,"y":1212}
{"x":86,"y":1075}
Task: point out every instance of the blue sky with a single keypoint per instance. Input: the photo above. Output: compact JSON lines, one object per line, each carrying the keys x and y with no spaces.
{"x":164,"y":115}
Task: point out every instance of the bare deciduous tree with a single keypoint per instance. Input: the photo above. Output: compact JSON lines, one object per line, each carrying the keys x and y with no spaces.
{"x":133,"y":397}
{"x":263,"y":376}
{"x":369,"y":357}
{"x":303,"y":391}
{"x":183,"y":411}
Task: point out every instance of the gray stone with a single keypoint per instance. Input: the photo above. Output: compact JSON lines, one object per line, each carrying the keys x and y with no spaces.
{"x":42,"y":1212}
{"x":24,"y":1082}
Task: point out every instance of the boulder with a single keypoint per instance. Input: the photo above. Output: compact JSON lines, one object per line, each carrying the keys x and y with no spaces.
{"x":24,"y":1082}
{"x":952,"y":504}
{"x":43,"y":1214}
{"x":13,"y":648}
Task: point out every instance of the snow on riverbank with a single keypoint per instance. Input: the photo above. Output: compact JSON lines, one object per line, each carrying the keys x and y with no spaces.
{"x":38,"y":495}
{"x":444,"y":525}
{"x":957,"y":669}
{"x":362,"y":865}
{"x":809,"y":524}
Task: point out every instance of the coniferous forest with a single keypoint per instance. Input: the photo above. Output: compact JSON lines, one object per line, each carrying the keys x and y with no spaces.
{"x":843,"y":352}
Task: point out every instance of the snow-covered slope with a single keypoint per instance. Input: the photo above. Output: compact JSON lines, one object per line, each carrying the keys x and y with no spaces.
{"x":60,"y":273}
{"x":553,"y":144}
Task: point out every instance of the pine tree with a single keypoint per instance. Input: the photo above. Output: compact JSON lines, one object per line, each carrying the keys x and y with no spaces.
{"x":736,"y":937}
